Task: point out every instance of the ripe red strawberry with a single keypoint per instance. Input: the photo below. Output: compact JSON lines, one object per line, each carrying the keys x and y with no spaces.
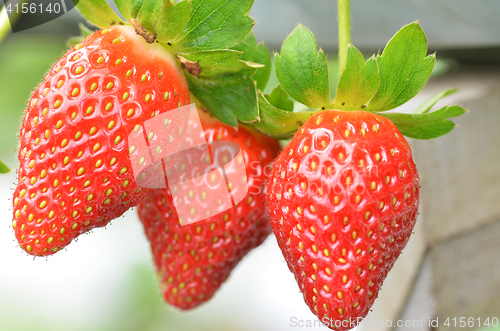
{"x":343,"y":201}
{"x":192,"y":261}
{"x":75,"y":173}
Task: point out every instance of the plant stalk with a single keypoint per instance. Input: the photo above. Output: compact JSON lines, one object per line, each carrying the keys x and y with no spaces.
{"x":344,"y":16}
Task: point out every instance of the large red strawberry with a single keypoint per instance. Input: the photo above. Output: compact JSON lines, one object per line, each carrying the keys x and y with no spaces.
{"x":193,"y":260}
{"x":344,"y":194}
{"x":75,"y":173}
{"x":343,"y":200}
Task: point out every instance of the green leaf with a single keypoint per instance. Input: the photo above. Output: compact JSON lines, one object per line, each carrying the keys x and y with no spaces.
{"x":229,"y":98}
{"x":278,"y":123}
{"x":427,"y":125}
{"x":302,"y":70}
{"x":149,"y":12}
{"x":280,"y":99}
{"x":427,"y":106}
{"x":136,"y":7}
{"x":216,"y":24}
{"x":3,"y":168}
{"x":172,"y":21}
{"x":125,"y":8}
{"x":98,"y":12}
{"x":359,"y":81}
{"x":216,"y":63}
{"x":257,"y":53}
{"x":403,"y":68}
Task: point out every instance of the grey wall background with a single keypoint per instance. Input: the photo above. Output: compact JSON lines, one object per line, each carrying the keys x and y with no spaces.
{"x":449,"y":24}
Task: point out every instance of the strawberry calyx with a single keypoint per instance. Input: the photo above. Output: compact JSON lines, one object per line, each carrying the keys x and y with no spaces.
{"x":210,"y":40}
{"x":379,"y":84}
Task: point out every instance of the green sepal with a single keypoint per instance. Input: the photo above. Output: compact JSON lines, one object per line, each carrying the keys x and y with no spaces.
{"x":403,"y":68}
{"x":427,"y":125}
{"x":136,"y":7}
{"x":215,"y":24}
{"x":162,"y":18}
{"x":125,"y":8}
{"x":208,"y":64}
{"x":302,"y":70}
{"x":379,"y":84}
{"x":97,"y":12}
{"x":280,"y":99}
{"x":359,"y":81}
{"x":3,"y":168}
{"x":229,"y":98}
{"x":172,"y":21}
{"x":225,"y":80}
{"x":149,"y":12}
{"x":427,"y":106}
{"x":278,"y":123}
{"x":256,"y":53}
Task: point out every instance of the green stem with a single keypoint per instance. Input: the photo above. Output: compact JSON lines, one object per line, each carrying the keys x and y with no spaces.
{"x":344,"y":14}
{"x":7,"y":21}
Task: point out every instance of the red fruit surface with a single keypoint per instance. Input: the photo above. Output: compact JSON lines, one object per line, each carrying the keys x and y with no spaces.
{"x":75,"y":173}
{"x":192,"y":261}
{"x":343,"y":199}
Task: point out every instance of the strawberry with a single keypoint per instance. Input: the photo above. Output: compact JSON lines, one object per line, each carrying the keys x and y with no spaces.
{"x":193,"y":260}
{"x":343,"y":201}
{"x":75,"y":172}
